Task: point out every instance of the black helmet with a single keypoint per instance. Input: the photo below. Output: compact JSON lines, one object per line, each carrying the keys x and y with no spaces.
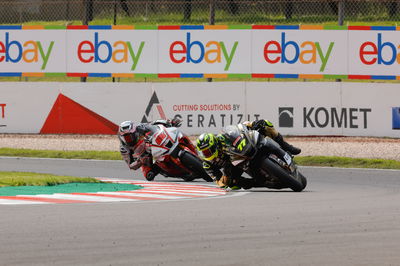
{"x":207,"y":144}
{"x":235,"y":140}
{"x":127,"y":133}
{"x":231,"y":135}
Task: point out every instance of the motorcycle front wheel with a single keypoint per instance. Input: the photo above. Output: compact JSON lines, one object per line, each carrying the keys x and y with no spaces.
{"x":296,"y":181}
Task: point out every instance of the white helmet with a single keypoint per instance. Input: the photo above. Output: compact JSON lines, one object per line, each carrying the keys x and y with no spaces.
{"x":127,"y":133}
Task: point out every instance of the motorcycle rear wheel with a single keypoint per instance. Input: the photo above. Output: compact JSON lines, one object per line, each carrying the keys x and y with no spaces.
{"x":195,"y":164}
{"x":296,"y":183}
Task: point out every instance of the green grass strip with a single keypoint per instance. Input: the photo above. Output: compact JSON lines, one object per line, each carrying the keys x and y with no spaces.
{"x":98,"y":155}
{"x":36,"y":179}
{"x":345,"y":162}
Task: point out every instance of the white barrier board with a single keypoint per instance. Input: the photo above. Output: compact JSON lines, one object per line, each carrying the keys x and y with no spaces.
{"x":295,"y":108}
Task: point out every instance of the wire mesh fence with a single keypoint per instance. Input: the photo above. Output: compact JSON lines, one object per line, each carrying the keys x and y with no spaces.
{"x":163,"y":12}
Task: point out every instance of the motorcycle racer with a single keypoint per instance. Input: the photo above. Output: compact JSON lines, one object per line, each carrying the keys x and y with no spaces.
{"x":214,"y":152}
{"x":132,"y":144}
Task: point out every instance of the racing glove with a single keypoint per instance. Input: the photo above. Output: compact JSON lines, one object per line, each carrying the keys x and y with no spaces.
{"x":259,"y":125}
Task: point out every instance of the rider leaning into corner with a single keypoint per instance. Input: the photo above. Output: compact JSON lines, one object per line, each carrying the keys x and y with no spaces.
{"x":213,"y":150}
{"x":132,"y":146}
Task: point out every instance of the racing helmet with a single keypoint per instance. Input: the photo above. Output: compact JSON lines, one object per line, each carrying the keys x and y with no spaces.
{"x":231,"y":134}
{"x":207,"y":144}
{"x":127,"y":133}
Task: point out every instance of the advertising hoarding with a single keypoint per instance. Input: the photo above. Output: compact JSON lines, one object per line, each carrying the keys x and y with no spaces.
{"x":295,"y":108}
{"x":362,"y":52}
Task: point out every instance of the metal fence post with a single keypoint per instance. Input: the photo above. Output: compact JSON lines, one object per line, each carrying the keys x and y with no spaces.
{"x":88,"y":15}
{"x":211,"y":19}
{"x":115,"y":13}
{"x":341,"y":12}
{"x":187,"y":10}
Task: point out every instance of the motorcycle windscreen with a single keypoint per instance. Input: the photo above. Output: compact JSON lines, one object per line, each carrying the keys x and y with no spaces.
{"x":139,"y":149}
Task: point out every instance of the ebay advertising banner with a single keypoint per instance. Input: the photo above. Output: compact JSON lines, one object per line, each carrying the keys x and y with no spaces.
{"x":32,"y":51}
{"x":376,"y":53}
{"x":205,"y":51}
{"x":112,"y":51}
{"x":348,"y":52}
{"x":297,"y":51}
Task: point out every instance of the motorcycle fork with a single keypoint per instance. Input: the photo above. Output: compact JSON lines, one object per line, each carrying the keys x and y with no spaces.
{"x":283,"y":164}
{"x":187,"y":144}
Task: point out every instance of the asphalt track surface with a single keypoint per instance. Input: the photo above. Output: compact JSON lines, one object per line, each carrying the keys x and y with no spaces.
{"x":344,"y":217}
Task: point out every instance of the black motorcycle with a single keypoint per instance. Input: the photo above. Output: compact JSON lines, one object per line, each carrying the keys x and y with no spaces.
{"x":262,"y":158}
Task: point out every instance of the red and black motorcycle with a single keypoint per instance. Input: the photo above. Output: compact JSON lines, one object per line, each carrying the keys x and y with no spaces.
{"x":173,"y":153}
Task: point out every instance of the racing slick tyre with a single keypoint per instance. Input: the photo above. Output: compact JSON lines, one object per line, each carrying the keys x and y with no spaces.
{"x":150,"y":176}
{"x":189,"y":178}
{"x":296,"y":182}
{"x":195,"y":164}
{"x":302,"y":178}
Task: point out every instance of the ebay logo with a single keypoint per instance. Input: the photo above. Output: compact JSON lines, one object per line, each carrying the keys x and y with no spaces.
{"x":118,"y":51}
{"x":306,"y":52}
{"x":211,"y":52}
{"x":372,"y":52}
{"x":29,"y":52}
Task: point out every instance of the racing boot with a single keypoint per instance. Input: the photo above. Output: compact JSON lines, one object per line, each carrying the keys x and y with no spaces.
{"x":286,"y":146}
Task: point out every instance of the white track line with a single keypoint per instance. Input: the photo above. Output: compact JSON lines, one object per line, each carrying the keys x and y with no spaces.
{"x":19,"y":202}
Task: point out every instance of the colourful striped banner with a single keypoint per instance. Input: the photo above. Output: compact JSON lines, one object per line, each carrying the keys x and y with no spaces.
{"x":169,"y":75}
{"x":123,"y":75}
{"x":216,"y":75}
{"x":199,"y":27}
{"x":123,"y":27}
{"x":307,"y":76}
{"x":32,"y":74}
{"x":199,"y":75}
